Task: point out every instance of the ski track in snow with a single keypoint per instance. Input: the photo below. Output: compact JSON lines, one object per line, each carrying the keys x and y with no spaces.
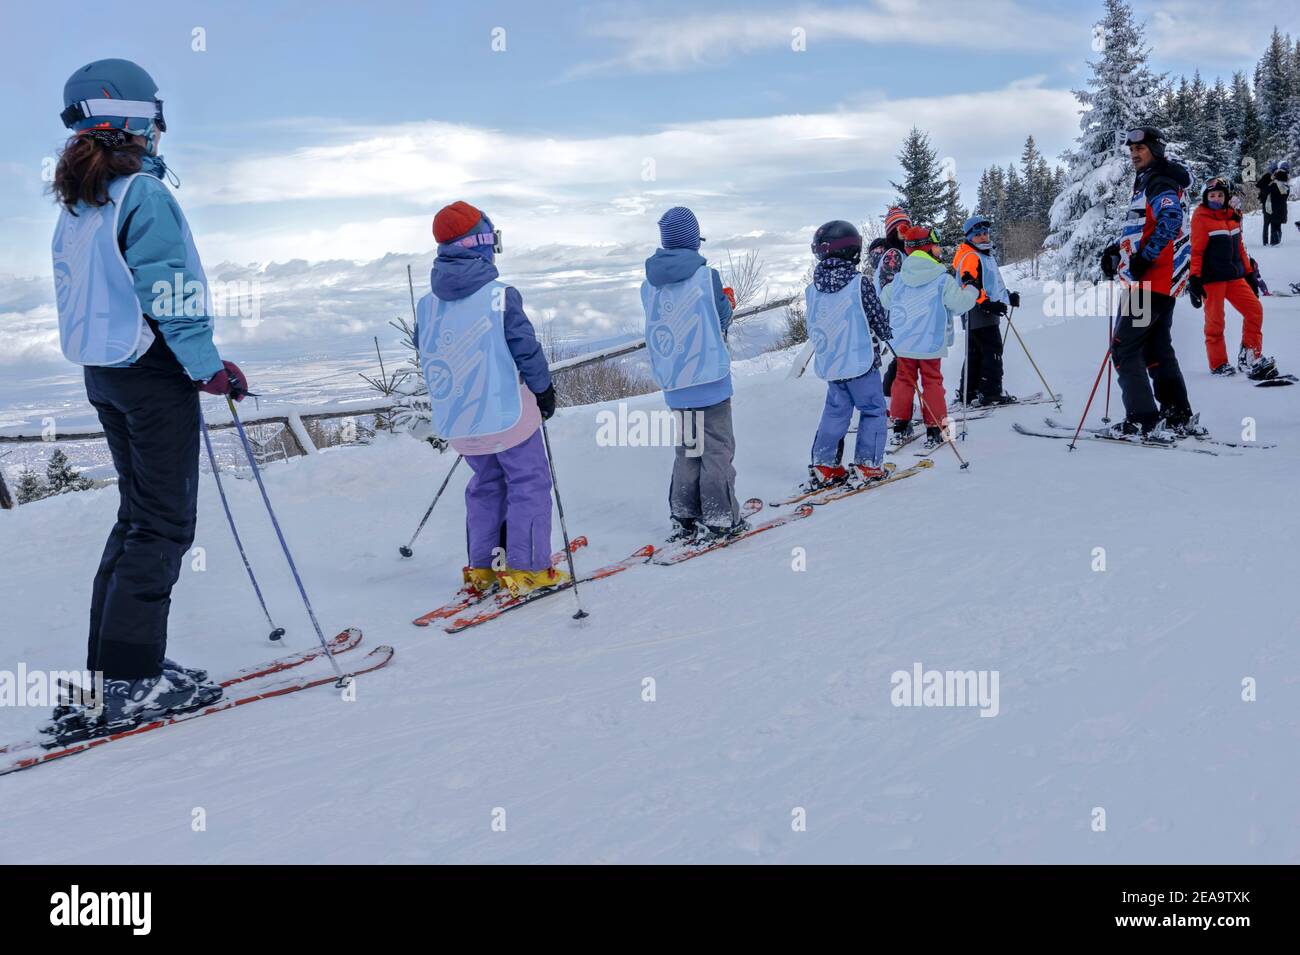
{"x":1118,"y":689}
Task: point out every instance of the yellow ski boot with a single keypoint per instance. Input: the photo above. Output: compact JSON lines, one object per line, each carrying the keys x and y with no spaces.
{"x":523,"y":582}
{"x":478,"y":581}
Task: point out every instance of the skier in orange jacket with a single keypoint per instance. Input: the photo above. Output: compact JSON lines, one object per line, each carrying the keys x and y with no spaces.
{"x":1221,"y":270}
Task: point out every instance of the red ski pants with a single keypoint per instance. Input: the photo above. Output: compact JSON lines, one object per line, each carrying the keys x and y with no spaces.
{"x":933,"y":407}
{"x":1243,"y":300}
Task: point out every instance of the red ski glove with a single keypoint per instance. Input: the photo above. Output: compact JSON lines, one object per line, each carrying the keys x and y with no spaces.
{"x":229,"y":381}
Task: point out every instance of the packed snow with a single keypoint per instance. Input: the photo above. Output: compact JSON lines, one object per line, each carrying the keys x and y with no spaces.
{"x":1118,"y":689}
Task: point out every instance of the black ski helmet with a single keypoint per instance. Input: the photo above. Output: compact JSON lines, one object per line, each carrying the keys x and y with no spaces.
{"x":838,"y":239}
{"x":1148,"y":136}
{"x":1219,"y":183}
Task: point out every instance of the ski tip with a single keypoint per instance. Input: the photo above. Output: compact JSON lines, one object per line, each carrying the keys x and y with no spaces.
{"x":647,"y":551}
{"x":576,"y":543}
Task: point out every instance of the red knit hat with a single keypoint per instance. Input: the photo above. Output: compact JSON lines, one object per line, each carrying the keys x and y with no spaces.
{"x":454,"y":221}
{"x":919,"y":238}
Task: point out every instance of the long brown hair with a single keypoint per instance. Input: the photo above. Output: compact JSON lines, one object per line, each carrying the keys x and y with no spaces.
{"x":88,"y":164}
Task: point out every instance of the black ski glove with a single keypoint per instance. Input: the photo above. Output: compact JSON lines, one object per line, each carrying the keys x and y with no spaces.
{"x":1196,"y":291}
{"x":997,"y":308}
{"x":1015,"y":299}
{"x":546,"y":403}
{"x":1110,"y":260}
{"x":1138,"y":265}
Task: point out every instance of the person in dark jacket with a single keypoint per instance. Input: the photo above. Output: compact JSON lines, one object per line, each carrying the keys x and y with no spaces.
{"x":982,"y":372}
{"x":1152,"y":260}
{"x":1274,"y":192}
{"x":1222,"y":271}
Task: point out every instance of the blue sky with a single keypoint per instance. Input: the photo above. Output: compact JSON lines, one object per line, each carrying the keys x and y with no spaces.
{"x":326,"y":131}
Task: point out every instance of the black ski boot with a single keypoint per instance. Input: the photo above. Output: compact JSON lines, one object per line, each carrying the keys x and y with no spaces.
{"x":714,"y":535}
{"x":1132,"y":431}
{"x":1003,"y":399}
{"x":901,"y":435}
{"x":129,"y":703}
{"x":1262,"y":369}
{"x":1224,"y":371}
{"x":684,"y":530}
{"x":1186,"y":426}
{"x":933,"y":437}
{"x":196,"y":674}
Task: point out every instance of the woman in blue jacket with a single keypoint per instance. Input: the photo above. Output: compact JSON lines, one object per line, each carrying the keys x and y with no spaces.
{"x":134,"y":310}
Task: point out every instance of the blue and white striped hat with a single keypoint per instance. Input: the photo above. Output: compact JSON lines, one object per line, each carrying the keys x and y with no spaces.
{"x":679,"y":229}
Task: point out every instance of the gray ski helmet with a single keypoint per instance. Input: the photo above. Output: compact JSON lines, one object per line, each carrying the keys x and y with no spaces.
{"x":838,"y":239}
{"x":976,"y":224}
{"x":1148,"y":136}
{"x":112,"y":94}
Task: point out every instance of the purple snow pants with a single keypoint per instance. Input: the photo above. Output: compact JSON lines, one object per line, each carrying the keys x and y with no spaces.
{"x":509,"y":500}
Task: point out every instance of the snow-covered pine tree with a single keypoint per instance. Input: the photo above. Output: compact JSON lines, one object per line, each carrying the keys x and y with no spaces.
{"x":30,"y":487}
{"x":1247,"y":133}
{"x":1212,"y":153}
{"x":1016,"y":208}
{"x":1291,"y":119}
{"x":1031,"y":165}
{"x":1122,"y":93}
{"x":954,"y":213}
{"x":61,"y":477}
{"x":922,"y":190}
{"x":991,"y":199}
{"x":1274,"y":93}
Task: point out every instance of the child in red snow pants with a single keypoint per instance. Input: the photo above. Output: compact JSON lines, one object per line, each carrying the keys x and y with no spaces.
{"x":933,"y":407}
{"x":1236,"y":291}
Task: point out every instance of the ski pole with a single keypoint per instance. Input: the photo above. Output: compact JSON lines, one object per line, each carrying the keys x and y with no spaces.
{"x":1055,"y":400}
{"x":1091,"y":394}
{"x":925,"y":407}
{"x":407,"y":551}
{"x":1110,"y":367}
{"x":966,"y":394}
{"x":266,"y":499}
{"x":276,"y":632}
{"x":559,"y":507}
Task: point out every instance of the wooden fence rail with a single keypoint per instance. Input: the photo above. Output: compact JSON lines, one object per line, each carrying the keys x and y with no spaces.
{"x":298,"y":442}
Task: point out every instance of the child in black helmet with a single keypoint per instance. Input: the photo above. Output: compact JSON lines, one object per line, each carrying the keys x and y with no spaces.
{"x":846,"y":323}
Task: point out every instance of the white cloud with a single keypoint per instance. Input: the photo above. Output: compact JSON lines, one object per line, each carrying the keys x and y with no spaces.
{"x":673,"y":44}
{"x":1217,"y":32}
{"x":740,"y":174}
{"x":577,"y":216}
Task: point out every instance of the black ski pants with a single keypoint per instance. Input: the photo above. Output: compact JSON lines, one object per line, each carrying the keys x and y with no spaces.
{"x":982,"y":373}
{"x":149,"y":412}
{"x":1145,"y":363}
